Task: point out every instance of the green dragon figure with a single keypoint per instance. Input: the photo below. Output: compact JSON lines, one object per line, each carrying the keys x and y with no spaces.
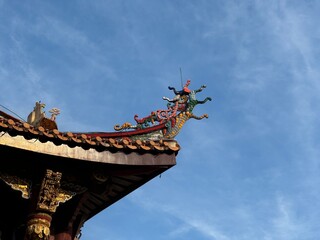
{"x":166,"y":123}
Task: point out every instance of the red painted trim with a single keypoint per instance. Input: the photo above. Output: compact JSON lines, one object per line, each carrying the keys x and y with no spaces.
{"x":44,"y":216}
{"x":125,"y":134}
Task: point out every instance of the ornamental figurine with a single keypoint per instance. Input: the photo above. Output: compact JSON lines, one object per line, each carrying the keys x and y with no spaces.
{"x":184,"y":92}
{"x":37,"y":117}
{"x":166,"y":123}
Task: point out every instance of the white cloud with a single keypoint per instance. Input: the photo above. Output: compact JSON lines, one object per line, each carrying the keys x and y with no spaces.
{"x":297,"y":34}
{"x":191,"y":221}
{"x":285,"y":225}
{"x":180,"y":231}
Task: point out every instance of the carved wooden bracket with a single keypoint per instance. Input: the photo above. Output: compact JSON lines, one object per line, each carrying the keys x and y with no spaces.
{"x":51,"y":195}
{"x":16,"y":183}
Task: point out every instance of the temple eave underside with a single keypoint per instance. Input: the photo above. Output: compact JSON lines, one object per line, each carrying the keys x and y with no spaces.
{"x":53,"y":186}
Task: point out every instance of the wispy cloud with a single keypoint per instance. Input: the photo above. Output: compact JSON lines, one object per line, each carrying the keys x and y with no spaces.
{"x":191,"y":221}
{"x":297,"y":36}
{"x":286,"y":225}
{"x":276,"y":71}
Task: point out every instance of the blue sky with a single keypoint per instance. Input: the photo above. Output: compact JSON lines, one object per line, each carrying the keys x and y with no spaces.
{"x":250,"y":171}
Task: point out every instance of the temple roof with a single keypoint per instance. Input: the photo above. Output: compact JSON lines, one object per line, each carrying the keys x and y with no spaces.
{"x":15,"y":127}
{"x":98,"y":171}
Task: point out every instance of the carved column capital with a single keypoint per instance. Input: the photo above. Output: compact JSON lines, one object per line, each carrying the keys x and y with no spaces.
{"x":38,"y":227}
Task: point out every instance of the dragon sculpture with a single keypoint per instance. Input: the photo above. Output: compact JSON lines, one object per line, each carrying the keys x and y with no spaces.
{"x":168,"y":122}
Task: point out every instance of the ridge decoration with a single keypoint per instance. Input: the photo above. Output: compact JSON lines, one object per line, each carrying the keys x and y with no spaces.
{"x":38,"y":117}
{"x":167,"y":123}
{"x":155,"y":131}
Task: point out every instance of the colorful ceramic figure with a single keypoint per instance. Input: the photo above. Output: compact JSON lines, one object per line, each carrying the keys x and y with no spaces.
{"x":167,"y":123}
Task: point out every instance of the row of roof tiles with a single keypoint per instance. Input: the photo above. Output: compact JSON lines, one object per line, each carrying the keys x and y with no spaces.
{"x":26,"y":130}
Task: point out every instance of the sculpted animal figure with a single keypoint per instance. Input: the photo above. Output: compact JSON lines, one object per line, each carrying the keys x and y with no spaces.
{"x":37,"y":114}
{"x":179,"y":110}
{"x":182,"y":117}
{"x":124,"y":126}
